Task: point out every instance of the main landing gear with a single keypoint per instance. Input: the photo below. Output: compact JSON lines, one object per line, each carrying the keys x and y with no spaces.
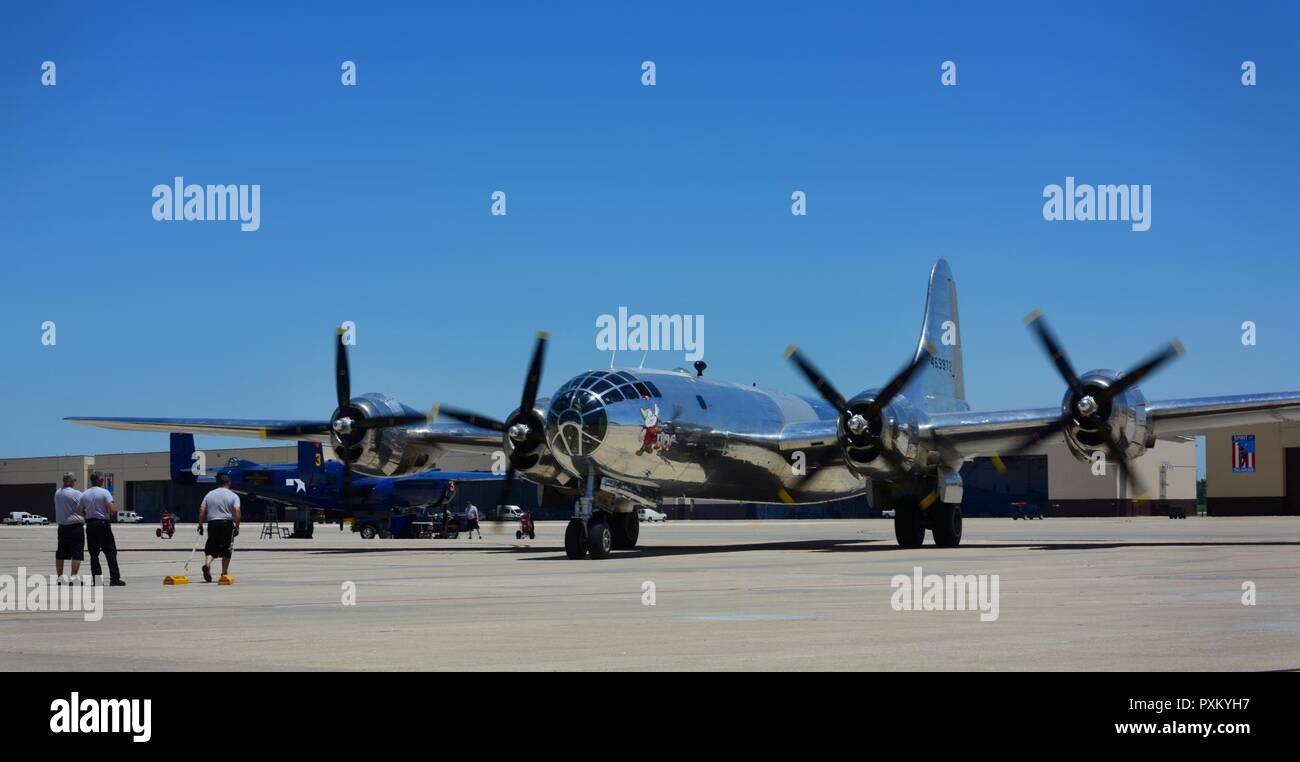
{"x":600,"y":534}
{"x":911,"y":520}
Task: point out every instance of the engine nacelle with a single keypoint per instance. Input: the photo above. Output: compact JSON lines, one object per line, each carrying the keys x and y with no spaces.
{"x":377,"y":452}
{"x":1125,"y":416}
{"x":531,"y":454}
{"x":893,"y":441}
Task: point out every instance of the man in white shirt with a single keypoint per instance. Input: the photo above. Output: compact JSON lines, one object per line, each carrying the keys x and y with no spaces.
{"x":220,"y":508}
{"x":471,"y":521}
{"x":72,"y":528}
{"x":97,"y":507}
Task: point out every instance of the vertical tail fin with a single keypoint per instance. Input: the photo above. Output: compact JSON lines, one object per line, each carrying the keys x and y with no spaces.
{"x":939,"y":385}
{"x":311,"y":462}
{"x":182,"y":459}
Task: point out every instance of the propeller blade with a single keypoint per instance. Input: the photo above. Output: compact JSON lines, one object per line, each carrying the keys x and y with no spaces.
{"x":534,"y":378}
{"x":1058,"y":425}
{"x":470,"y":417}
{"x":1171,"y":351}
{"x":900,"y":380}
{"x":1112,"y":449}
{"x":347,"y":488}
{"x":342,"y":375}
{"x":819,"y":381}
{"x":1038,"y":324}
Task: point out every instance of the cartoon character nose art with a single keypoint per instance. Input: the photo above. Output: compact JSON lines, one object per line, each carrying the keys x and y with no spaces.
{"x":576,"y":421}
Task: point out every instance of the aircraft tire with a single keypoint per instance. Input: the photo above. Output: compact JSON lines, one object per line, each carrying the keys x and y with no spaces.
{"x":575,"y":540}
{"x":626,"y":529}
{"x":909,"y":524}
{"x":599,"y":539}
{"x":945,"y":519}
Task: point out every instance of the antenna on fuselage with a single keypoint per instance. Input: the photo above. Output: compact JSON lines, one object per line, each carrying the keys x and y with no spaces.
{"x":642,"y":365}
{"x":613,"y":357}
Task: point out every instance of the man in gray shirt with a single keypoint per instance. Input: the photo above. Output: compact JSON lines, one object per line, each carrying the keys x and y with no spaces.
{"x":72,"y":528}
{"x":96,"y":505}
{"x":220,"y":508}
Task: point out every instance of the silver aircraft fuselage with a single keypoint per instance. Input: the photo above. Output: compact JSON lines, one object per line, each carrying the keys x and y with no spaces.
{"x":694,"y":437}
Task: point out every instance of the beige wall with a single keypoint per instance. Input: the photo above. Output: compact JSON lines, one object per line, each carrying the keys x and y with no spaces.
{"x":45,"y":470}
{"x":1071,"y":479}
{"x":1269,"y":477}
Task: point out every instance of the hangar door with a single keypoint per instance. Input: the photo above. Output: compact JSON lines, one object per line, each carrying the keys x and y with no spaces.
{"x":989,"y":492}
{"x":33,"y":498}
{"x":1291,"y":483}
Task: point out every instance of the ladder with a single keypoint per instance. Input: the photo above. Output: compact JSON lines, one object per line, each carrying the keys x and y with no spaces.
{"x":271,"y":522}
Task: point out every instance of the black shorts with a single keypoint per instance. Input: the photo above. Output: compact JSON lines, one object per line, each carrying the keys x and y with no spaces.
{"x":220,"y":535}
{"x":72,"y":542}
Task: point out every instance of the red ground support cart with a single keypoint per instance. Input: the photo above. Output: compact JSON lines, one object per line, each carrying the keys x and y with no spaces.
{"x":526,"y":528}
{"x":167,"y":526}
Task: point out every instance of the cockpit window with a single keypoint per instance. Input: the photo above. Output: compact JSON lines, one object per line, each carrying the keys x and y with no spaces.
{"x":614,"y":386}
{"x":576,"y":422}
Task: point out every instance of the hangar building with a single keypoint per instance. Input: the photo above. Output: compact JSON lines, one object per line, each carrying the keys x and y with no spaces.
{"x":1253,"y":470}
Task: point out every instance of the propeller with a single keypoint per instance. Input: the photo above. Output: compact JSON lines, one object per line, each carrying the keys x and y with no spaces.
{"x":525,"y":428}
{"x":861,"y":424}
{"x":349,"y":424}
{"x":1090,"y":407}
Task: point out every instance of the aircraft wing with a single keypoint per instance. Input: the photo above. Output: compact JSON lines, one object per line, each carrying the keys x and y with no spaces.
{"x":971,"y":434}
{"x":1196,"y":414}
{"x":451,"y":435}
{"x":307,"y":431}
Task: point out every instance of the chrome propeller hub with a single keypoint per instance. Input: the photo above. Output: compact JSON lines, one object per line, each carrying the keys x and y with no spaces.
{"x":1087,"y":406}
{"x":857,"y":424}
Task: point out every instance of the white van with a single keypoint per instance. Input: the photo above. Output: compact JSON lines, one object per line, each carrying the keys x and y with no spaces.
{"x":23,"y":517}
{"x":129,"y":517}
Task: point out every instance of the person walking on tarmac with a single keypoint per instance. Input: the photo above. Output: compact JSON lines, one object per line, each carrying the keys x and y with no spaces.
{"x":471,"y":521}
{"x":72,"y":529}
{"x":97,"y":507}
{"x":220,"y":508}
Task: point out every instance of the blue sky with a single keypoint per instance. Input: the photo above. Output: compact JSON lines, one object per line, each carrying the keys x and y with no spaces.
{"x":670,"y":199}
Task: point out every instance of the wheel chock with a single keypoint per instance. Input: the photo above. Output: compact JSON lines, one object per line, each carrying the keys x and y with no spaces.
{"x":178,"y":579}
{"x":226,"y":579}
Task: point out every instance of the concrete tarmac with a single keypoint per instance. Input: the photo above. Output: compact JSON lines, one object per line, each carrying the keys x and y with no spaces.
{"x":1073,"y":594}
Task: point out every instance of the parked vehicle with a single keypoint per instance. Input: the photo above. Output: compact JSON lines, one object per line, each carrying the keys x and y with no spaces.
{"x":887,"y":513}
{"x":25,"y":518}
{"x":650,"y":514}
{"x":507,"y":513}
{"x":1027,"y":511}
{"x":129,"y":517}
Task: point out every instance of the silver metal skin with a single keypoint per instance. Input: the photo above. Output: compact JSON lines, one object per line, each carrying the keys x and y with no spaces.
{"x":696,"y":437}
